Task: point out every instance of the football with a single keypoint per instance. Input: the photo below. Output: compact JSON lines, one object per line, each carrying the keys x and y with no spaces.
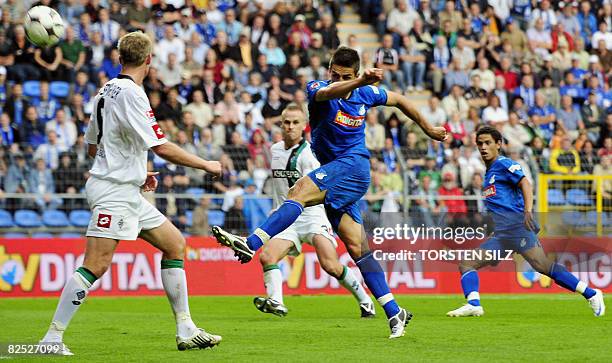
{"x":44,"y":26}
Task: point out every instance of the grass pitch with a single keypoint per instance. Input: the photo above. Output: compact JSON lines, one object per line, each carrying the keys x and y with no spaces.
{"x":323,"y":328}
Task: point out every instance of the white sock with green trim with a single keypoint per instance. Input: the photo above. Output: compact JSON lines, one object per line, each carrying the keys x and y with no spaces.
{"x":273,"y":279}
{"x":350,"y":282}
{"x":175,"y":285}
{"x":73,"y":295}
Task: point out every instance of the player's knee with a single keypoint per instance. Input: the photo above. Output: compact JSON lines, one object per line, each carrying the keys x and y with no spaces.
{"x":176,"y":251}
{"x":266,"y":258}
{"x":540,"y":266}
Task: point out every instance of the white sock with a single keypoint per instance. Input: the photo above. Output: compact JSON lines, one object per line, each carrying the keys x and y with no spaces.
{"x":175,"y":285}
{"x":73,"y":295}
{"x":351,"y":283}
{"x":273,"y":279}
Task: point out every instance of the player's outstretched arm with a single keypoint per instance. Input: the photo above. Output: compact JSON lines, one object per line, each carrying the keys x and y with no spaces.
{"x":171,"y":152}
{"x":408,"y":109}
{"x":340,"y":89}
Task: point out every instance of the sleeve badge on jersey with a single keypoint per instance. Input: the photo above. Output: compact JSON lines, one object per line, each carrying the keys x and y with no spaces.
{"x":514,"y":168}
{"x":314,"y":85}
{"x":104,"y":220}
{"x":158,"y":131}
{"x":150,"y":114}
{"x":375,"y":89}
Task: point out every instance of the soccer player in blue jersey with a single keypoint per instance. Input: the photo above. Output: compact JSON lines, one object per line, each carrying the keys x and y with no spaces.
{"x":509,"y":198}
{"x":337,"y":110}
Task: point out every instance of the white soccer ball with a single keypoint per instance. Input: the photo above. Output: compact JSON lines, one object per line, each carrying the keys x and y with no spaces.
{"x":44,"y":26}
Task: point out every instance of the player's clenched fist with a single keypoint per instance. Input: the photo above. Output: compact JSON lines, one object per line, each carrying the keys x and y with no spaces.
{"x":214,"y":168}
{"x":151,"y":183}
{"x":437,"y":133}
{"x":372,"y":75}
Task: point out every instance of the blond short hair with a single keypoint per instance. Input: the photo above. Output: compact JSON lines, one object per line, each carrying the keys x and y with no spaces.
{"x":293,"y":107}
{"x":134,"y":48}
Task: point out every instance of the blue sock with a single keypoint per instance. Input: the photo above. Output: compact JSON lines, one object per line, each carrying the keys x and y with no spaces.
{"x":374,"y":278}
{"x":277,"y":222}
{"x":470,"y":285}
{"x":565,"y":279}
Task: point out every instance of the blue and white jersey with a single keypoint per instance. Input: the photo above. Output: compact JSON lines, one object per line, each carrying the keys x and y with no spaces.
{"x":338,"y":125}
{"x":503,"y":197}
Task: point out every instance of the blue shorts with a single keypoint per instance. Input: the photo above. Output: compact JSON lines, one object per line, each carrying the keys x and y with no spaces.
{"x":517,"y":242}
{"x":346,"y":180}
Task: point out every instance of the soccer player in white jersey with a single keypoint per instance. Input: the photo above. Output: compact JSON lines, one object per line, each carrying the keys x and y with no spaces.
{"x":291,"y":159}
{"x":121,"y":131}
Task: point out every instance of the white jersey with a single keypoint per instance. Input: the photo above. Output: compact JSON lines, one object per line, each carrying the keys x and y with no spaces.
{"x":124,"y":128}
{"x":288,"y":165}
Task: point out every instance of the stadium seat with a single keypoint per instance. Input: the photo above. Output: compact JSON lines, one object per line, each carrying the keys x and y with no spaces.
{"x":591,"y":218}
{"x":195,"y":193}
{"x":55,"y":218}
{"x":70,"y":235}
{"x":15,"y":235}
{"x":27,"y":218}
{"x":59,"y":89}
{"x":216,"y":217}
{"x":31,"y":89}
{"x":555,"y":197}
{"x":189,"y":216}
{"x":578,"y":197}
{"x":42,"y":235}
{"x":80,"y":218}
{"x":6,"y":219}
{"x":573,"y":219}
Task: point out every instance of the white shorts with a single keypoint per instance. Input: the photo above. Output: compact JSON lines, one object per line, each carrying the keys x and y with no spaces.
{"x":119,"y":211}
{"x":303,"y":230}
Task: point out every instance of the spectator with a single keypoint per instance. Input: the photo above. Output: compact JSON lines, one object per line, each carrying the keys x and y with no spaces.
{"x":414,"y":152}
{"x":170,"y":71}
{"x":435,"y":114}
{"x":21,"y":58}
{"x":390,"y":156}
{"x":570,"y":117}
{"x":430,"y":170}
{"x":565,"y":160}
{"x":587,"y":21}
{"x":476,"y":95}
{"x":487,"y":77}
{"x":299,"y":27}
{"x":64,"y":129}
{"x":588,"y":158}
{"x":455,"y":127}
{"x":111,"y":65}
{"x":400,"y":20}
{"x":515,"y":132}
{"x":568,"y":19}
{"x":545,"y":117}
{"x":235,"y":221}
{"x":562,"y":57}
{"x":604,"y":168}
{"x":516,"y":36}
{"x":138,"y":15}
{"x":540,"y":37}
{"x":200,"y":225}
{"x":42,"y":183}
{"x":393,"y":129}
{"x":374,"y":131}
{"x":387,"y":58}
{"x":593,"y":116}
{"x":494,"y":114}
{"x":455,"y":102}
{"x":201,"y":111}
{"x":329,"y":32}
{"x":450,"y":14}
{"x":317,"y":48}
{"x":546,"y":13}
{"x":439,"y":66}
{"x":456,"y":76}
{"x":455,"y":208}
{"x":32,"y":130}
{"x":273,"y":53}
{"x":108,"y":28}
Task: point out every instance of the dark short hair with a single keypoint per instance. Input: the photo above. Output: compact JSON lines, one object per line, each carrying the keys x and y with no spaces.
{"x":488,"y":130}
{"x":345,"y":57}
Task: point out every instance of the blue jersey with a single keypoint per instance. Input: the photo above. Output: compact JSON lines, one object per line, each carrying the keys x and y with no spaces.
{"x":503,"y":197}
{"x":338,"y":125}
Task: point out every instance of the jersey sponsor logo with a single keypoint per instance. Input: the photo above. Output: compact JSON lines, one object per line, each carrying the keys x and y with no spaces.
{"x":285,"y":174}
{"x":158,"y":131}
{"x":104,"y":220}
{"x":344,"y":119}
{"x":514,"y":168}
{"x":489,"y":191}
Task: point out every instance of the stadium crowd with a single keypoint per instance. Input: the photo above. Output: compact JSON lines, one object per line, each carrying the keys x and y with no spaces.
{"x":223,"y":71}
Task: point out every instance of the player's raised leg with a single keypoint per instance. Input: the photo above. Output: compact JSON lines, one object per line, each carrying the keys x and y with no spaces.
{"x":328,"y":258}
{"x":98,"y":257}
{"x":303,"y":193}
{"x":546,"y":266}
{"x":354,"y":237}
{"x":273,"y":251}
{"x":470,"y":285}
{"x":168,"y":239}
